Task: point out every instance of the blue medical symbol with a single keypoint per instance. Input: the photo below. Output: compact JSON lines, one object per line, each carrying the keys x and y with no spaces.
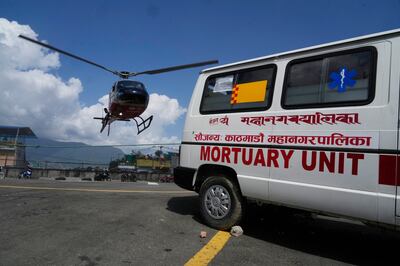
{"x":342,"y":79}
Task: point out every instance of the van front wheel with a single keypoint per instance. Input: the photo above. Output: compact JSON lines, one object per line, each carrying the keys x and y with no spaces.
{"x":221,"y":204}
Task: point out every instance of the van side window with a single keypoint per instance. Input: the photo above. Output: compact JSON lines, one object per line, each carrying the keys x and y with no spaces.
{"x":243,"y":90}
{"x":340,"y":79}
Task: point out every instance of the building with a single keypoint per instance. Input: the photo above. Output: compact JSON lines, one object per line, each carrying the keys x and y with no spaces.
{"x":12,"y":149}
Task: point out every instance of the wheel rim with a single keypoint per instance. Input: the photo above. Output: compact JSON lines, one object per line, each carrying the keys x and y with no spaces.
{"x":217,"y":202}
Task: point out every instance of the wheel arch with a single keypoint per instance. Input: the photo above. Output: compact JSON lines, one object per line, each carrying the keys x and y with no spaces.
{"x":207,"y":170}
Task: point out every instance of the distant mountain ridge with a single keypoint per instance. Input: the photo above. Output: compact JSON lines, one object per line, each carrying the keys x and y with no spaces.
{"x":70,"y":155}
{"x":152,"y":150}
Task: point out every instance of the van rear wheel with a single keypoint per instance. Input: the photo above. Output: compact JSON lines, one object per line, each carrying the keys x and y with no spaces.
{"x":221,"y":205}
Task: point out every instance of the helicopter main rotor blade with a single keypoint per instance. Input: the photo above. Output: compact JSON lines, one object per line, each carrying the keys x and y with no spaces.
{"x":174,"y":68}
{"x":68,"y":54}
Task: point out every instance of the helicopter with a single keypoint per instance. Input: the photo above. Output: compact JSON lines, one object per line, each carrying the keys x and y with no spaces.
{"x":128,"y":99}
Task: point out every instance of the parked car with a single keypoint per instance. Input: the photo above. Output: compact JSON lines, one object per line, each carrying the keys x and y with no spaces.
{"x":102,"y":176}
{"x":166,"y":179}
{"x":128,"y":177}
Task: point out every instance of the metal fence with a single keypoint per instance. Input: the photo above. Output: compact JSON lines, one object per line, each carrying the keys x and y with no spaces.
{"x":79,"y":174}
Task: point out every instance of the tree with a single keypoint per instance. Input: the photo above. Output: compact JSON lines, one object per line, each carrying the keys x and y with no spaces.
{"x":158,"y":153}
{"x":113,"y":164}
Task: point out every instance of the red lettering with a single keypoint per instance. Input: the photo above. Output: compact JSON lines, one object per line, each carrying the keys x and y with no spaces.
{"x":354,"y":157}
{"x":311,"y":166}
{"x":247,"y":161}
{"x":326,"y":161}
{"x":329,"y":163}
{"x":259,"y":158}
{"x":215,"y":154}
{"x":273,"y":158}
{"x":226,"y":151}
{"x":235,"y":151}
{"x":205,"y":153}
{"x":286,"y":157}
{"x":341,"y":163}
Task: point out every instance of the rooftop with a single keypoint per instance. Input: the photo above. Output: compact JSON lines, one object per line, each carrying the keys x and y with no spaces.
{"x":11,"y":131}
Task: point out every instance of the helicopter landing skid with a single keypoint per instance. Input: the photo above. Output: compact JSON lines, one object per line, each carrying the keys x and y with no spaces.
{"x":142,"y":124}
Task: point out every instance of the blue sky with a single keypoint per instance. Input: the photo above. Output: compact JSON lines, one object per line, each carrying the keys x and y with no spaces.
{"x":141,"y":35}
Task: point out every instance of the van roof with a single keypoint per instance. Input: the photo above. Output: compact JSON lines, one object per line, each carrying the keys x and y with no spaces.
{"x":311,"y":48}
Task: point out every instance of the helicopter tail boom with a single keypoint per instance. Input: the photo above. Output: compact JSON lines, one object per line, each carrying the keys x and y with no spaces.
{"x":104,"y":122}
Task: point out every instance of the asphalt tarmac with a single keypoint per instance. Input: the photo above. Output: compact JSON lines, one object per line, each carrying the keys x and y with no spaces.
{"x":45,"y":222}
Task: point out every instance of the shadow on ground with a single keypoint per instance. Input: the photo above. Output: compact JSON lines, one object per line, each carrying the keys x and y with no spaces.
{"x":353,"y":243}
{"x":324,"y":237}
{"x":188,"y":205}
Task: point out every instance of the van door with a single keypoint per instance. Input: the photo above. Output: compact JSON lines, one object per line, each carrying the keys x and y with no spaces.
{"x":398,"y":183}
{"x":397,"y":173}
{"x":396,"y":73}
{"x":336,"y":118}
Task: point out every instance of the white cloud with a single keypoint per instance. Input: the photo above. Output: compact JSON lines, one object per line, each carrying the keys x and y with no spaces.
{"x":31,"y":96}
{"x":19,"y":54}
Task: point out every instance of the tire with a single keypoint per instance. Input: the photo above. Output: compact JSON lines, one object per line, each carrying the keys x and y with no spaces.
{"x":221,"y":204}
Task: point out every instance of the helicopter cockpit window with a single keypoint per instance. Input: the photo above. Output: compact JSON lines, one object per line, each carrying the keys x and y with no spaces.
{"x":130,"y":84}
{"x":243,"y":90}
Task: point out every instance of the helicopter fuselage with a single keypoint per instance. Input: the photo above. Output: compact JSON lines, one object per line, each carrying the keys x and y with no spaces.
{"x":128,"y":99}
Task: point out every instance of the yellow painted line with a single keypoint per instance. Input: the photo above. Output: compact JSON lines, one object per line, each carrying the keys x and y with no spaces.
{"x":210,"y":250}
{"x":99,"y":190}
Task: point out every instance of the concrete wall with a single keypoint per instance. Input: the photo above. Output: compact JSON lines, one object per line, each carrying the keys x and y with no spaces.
{"x":14,"y":157}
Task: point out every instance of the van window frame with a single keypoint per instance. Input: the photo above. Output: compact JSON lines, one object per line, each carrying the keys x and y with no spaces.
{"x":269,"y":94}
{"x":371,"y":80}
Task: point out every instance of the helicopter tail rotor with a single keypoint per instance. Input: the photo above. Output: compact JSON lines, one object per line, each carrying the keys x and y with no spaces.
{"x":104,"y":122}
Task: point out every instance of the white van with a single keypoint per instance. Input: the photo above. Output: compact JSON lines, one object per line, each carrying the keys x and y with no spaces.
{"x":315,"y":128}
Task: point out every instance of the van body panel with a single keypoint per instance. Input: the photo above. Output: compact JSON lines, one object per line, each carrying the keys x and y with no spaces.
{"x":338,"y":159}
{"x":395,"y":83}
{"x":349,"y":191}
